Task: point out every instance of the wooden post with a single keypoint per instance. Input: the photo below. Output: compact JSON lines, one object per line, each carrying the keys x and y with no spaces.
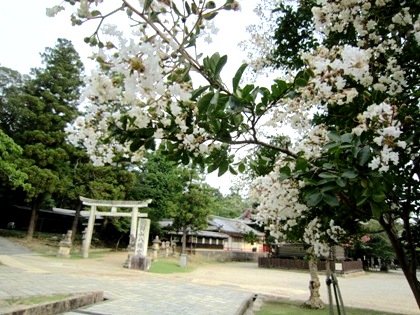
{"x":89,"y":231}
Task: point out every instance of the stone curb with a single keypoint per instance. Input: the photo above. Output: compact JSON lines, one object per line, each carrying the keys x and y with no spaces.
{"x":57,"y":307}
{"x":246,"y":305}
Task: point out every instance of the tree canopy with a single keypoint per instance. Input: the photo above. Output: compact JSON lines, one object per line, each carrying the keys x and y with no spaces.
{"x":35,"y":113}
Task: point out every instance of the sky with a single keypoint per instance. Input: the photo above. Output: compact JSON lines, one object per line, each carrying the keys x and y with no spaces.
{"x":25,"y":32}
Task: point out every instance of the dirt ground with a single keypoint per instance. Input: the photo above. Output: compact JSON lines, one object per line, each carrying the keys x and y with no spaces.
{"x":380,"y":291}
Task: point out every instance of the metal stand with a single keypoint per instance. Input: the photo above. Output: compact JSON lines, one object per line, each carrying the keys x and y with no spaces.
{"x":332,"y":279}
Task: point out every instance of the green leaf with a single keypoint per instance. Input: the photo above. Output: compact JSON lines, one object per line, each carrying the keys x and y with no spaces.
{"x":313,"y":199}
{"x":328,"y":188}
{"x":215,"y":125}
{"x":300,"y":82}
{"x":234,"y":104}
{"x":363,"y":155}
{"x":327,"y":175}
{"x":331,"y":145}
{"x":210,"y":5}
{"x":330,"y":200}
{"x":232,"y":170}
{"x":209,"y":16}
{"x":212,"y":167}
{"x":174,"y":7}
{"x":334,"y":136}
{"x":285,"y":170}
{"x":238,"y":75}
{"x":362,"y":201}
{"x":223,"y":167}
{"x":279,"y":88}
{"x":341,"y":182}
{"x":347,"y":138}
{"x":204,"y":102}
{"x":301,"y":164}
{"x":219,"y":66}
{"x":197,"y":92}
{"x":185,"y":158}
{"x":215,"y":99}
{"x":238,"y":119}
{"x":350,"y":174}
{"x":136,"y":144}
{"x":378,"y":197}
{"x":328,"y":166}
{"x":147,"y":5}
{"x":187,"y":7}
{"x":241,"y":167}
{"x":376,"y":210}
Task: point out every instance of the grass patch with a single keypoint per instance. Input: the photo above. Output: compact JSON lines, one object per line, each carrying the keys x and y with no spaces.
{"x":294,"y":308}
{"x":33,"y":300}
{"x":93,"y":254}
{"x":170,"y":265}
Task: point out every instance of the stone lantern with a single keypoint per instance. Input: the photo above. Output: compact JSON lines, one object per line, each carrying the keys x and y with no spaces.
{"x":156,"y":244}
{"x":65,"y":245}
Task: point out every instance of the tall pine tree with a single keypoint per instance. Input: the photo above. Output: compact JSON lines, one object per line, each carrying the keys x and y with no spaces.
{"x":37,"y":116}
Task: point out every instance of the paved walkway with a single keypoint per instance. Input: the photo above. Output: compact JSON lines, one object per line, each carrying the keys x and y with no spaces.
{"x":212,"y":289}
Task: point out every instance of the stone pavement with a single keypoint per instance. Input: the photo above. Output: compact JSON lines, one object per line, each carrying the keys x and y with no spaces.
{"x":127,"y":292}
{"x":212,"y":289}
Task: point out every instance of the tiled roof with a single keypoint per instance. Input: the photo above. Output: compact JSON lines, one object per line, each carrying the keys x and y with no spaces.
{"x":232,"y":226}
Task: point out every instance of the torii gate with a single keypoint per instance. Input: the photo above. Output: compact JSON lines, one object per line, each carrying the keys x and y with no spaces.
{"x":114,"y":204}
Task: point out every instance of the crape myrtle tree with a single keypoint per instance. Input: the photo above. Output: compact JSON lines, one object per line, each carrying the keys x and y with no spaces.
{"x":354,"y":105}
{"x":385,"y":33}
{"x":35,"y":114}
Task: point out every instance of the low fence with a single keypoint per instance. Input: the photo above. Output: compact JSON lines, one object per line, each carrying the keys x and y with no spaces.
{"x":223,"y":255}
{"x":301,"y":264}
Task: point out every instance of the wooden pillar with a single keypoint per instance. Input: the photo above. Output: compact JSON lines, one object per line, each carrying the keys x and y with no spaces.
{"x":89,"y":232}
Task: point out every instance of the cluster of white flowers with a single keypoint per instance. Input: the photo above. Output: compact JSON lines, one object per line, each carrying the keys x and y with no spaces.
{"x":279,"y":210}
{"x":337,"y":16}
{"x":332,"y":67}
{"x":381,"y":120}
{"x":313,"y":143}
{"x":371,"y":64}
{"x":313,"y":235}
{"x":139,"y":91}
{"x":278,"y":203}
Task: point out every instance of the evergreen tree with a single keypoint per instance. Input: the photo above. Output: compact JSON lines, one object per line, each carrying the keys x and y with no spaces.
{"x":35,"y":117}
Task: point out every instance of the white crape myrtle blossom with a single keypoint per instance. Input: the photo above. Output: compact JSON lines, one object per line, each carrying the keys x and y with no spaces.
{"x":141,"y":88}
{"x":279,"y":210}
{"x":335,"y":232}
{"x":337,"y":16}
{"x":312,"y":144}
{"x":313,"y":235}
{"x":387,"y":130}
{"x":278,"y":203}
{"x":331,"y":68}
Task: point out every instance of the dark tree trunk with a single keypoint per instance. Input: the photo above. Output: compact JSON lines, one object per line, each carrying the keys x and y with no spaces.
{"x":406,"y":256}
{"x":34,"y":217}
{"x":76,"y":221}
